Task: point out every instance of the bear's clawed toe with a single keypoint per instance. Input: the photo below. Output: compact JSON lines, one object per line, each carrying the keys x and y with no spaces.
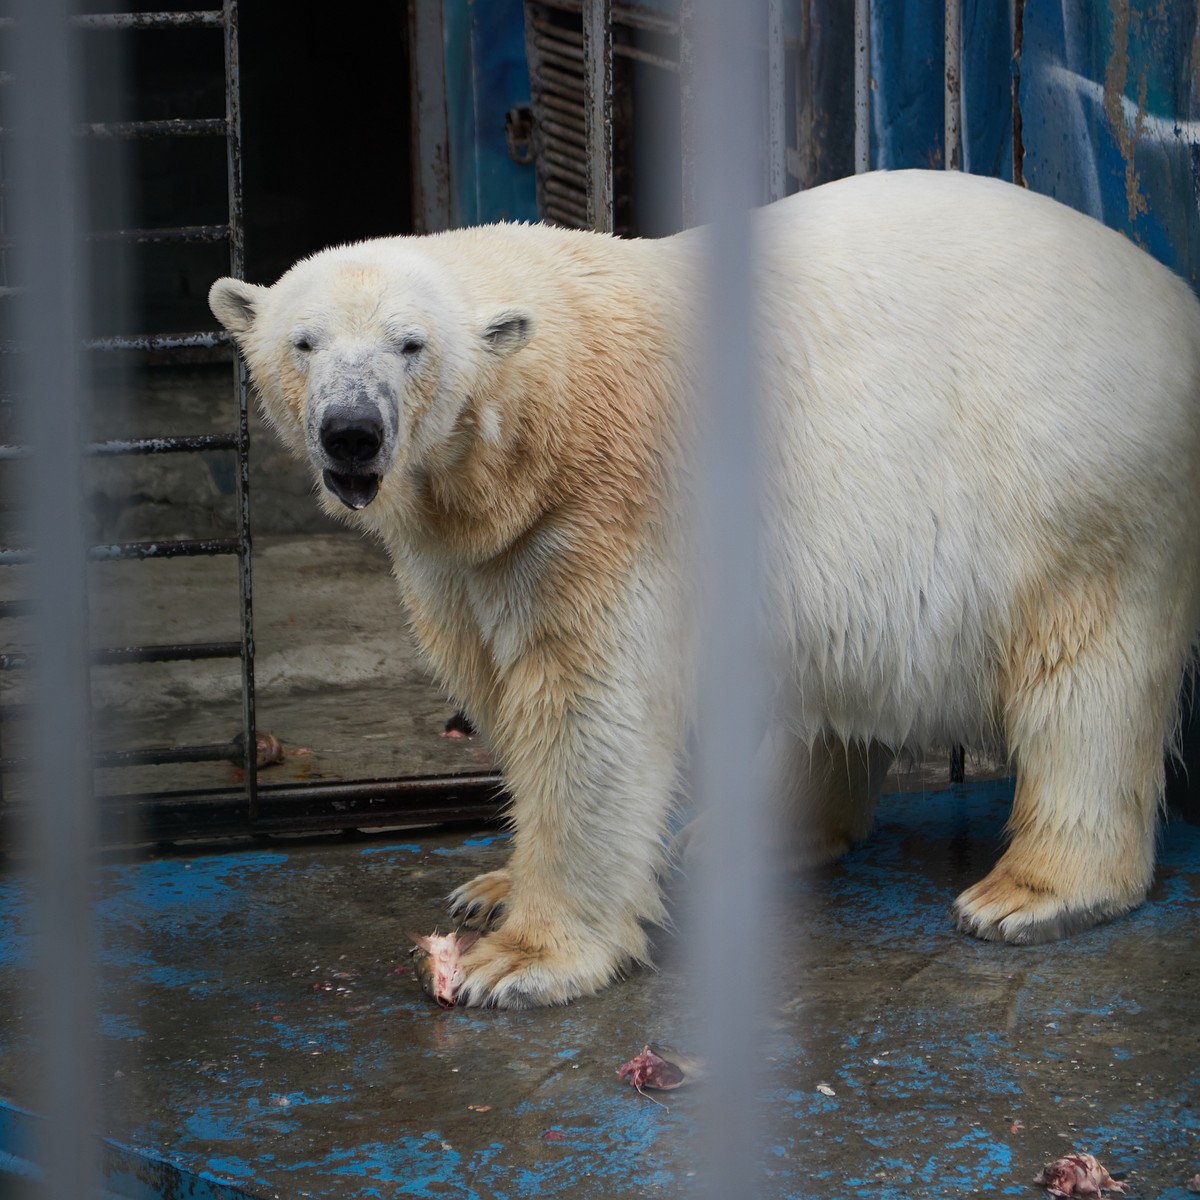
{"x":1003,"y":908}
{"x":504,"y":971}
{"x":480,"y":902}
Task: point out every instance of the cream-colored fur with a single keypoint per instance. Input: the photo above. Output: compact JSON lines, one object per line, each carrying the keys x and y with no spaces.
{"x":983,"y":478}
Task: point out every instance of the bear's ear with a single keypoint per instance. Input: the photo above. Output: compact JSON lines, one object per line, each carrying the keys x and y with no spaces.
{"x":234,"y":303}
{"x":508,"y":331}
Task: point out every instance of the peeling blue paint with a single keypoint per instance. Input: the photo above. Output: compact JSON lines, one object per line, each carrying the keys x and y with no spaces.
{"x":14,"y":925}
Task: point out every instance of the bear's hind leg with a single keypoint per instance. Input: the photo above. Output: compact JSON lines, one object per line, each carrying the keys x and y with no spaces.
{"x":829,"y":790}
{"x":1086,"y":727}
{"x":823,"y":800}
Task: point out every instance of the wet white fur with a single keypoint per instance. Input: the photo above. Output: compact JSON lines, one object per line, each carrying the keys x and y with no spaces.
{"x":983,"y":481}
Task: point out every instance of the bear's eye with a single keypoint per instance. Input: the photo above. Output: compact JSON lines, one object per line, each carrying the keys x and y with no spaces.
{"x":303,"y":343}
{"x":411,"y":347}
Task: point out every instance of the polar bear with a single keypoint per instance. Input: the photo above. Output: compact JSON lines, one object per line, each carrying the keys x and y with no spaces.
{"x":981,"y":493}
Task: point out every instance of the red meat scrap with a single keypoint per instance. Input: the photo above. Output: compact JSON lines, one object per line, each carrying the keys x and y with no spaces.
{"x":661,"y":1067}
{"x":1077,"y":1175}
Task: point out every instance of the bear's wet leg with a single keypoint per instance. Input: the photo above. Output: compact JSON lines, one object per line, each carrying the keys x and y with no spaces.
{"x":824,"y":798}
{"x":591,"y":775}
{"x":829,"y":789}
{"x":1086,"y":732}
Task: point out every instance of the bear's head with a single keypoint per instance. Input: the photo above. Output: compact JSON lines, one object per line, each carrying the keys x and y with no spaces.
{"x":365,"y":358}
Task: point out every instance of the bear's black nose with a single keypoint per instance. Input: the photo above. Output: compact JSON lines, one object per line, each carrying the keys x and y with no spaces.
{"x":351,"y":441}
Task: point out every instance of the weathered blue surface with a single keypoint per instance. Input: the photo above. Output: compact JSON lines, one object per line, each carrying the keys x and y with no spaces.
{"x":486,"y":74}
{"x":1109,"y":111}
{"x":907,"y":101}
{"x":1108,"y":106}
{"x":128,"y":1173}
{"x":1110,"y":118}
{"x":261,"y":1030}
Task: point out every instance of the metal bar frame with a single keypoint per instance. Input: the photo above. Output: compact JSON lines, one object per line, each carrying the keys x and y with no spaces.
{"x":118,"y":551}
{"x":228,"y":126}
{"x":171,"y":233}
{"x":598,"y":85}
{"x":952,"y":90}
{"x":776,"y":104}
{"x":113,"y":656}
{"x":467,"y":799}
{"x":862,"y":86}
{"x":169,"y":127}
{"x":197,"y":19}
{"x":687,"y":114}
{"x":430,"y":137}
{"x":1017,"y":13}
{"x":237,"y":265}
{"x":208,"y":340}
{"x":141,"y":446}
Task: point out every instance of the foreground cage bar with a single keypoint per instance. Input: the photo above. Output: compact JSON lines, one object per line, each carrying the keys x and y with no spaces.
{"x":729,"y":903}
{"x":60,"y":818}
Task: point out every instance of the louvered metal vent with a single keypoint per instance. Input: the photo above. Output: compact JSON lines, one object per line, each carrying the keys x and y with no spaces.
{"x":645,"y":70}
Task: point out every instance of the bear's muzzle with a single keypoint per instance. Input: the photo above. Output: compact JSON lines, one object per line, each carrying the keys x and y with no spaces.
{"x":352,"y":445}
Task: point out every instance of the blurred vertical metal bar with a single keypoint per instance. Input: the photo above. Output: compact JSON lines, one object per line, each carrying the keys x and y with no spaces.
{"x":237,"y":268}
{"x":776,"y":104}
{"x":45,"y":194}
{"x":598,"y":73}
{"x":953,"y":86}
{"x":862,"y":86}
{"x":727,"y":783}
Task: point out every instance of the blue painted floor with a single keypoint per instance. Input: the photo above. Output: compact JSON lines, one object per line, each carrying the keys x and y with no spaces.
{"x":263,"y":1036}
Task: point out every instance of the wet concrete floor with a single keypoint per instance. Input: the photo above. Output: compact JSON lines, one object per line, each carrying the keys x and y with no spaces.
{"x":261,"y":1025}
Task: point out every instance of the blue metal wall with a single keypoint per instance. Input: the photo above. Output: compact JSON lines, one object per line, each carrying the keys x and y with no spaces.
{"x":1108,"y":99}
{"x":487,"y":73}
{"x":1108,"y":96}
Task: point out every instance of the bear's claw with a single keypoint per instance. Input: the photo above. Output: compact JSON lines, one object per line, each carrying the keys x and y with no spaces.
{"x":1001,"y":909}
{"x":481,"y":902}
{"x":503,"y":971}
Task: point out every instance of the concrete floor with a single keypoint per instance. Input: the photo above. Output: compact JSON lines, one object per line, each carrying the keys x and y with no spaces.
{"x":262,"y":1034}
{"x":261,"y":1027}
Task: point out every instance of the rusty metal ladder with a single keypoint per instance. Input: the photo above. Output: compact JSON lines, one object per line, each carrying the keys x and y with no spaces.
{"x":235,"y":442}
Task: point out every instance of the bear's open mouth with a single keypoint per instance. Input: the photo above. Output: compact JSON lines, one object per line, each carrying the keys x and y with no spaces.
{"x":354,"y":491}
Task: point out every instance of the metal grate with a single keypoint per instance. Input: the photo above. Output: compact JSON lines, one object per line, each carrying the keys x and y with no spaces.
{"x":554,"y":41}
{"x":247,"y":807}
{"x":236,"y":441}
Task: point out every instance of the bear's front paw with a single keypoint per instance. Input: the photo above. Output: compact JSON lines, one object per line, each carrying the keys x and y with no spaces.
{"x":480,"y":902}
{"x":504,"y":970}
{"x":1009,"y":906}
